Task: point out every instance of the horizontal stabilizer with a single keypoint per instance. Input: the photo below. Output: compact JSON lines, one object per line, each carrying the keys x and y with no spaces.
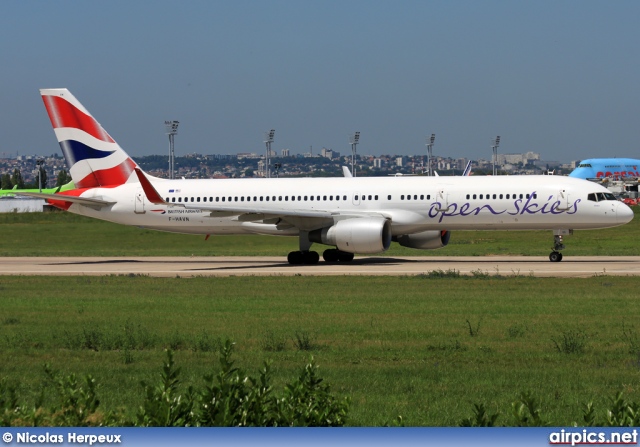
{"x":94,"y":203}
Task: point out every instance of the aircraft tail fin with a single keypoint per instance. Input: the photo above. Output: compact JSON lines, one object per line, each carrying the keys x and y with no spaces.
{"x":467,"y":169}
{"x":93,"y":157}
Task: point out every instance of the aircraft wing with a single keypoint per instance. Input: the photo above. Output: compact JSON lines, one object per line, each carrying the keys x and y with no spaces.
{"x":94,"y":203}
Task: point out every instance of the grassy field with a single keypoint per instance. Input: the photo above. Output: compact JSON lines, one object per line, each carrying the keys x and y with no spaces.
{"x":65,"y":234}
{"x":423,"y":348}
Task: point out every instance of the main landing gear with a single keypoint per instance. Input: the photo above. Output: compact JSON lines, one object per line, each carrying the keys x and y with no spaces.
{"x":558,"y":245}
{"x":305,"y":256}
{"x":311,"y":257}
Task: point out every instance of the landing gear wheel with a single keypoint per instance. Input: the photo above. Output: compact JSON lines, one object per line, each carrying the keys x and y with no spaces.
{"x":344,"y":256}
{"x":311,"y":257}
{"x":303,"y":257}
{"x":295,"y":257}
{"x":555,"y":256}
{"x":331,"y":255}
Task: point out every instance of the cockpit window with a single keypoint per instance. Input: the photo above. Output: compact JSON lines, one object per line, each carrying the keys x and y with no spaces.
{"x":601,"y":196}
{"x":584,"y":165}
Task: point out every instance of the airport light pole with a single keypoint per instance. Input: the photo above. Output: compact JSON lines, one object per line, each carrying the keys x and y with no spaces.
{"x":353,"y":141}
{"x":39,"y":163}
{"x":268,"y":139}
{"x":494,"y":145}
{"x":430,"y":142}
{"x":172,"y":131}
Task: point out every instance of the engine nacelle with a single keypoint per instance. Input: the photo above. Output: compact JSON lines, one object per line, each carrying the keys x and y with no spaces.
{"x":427,"y":240}
{"x":357,"y":235}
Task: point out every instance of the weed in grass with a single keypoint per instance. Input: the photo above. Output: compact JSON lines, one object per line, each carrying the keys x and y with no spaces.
{"x":516,"y":330}
{"x":10,"y":320}
{"x":127,"y":356}
{"x":526,"y":412}
{"x":474,"y":332}
{"x":479,"y":274}
{"x":438,"y":273}
{"x":273,"y":343}
{"x":571,"y":342}
{"x":452,"y":346}
{"x":630,"y":336}
{"x":206,"y":343}
{"x":480,"y":418}
{"x":303,"y":341}
{"x":177,"y":341}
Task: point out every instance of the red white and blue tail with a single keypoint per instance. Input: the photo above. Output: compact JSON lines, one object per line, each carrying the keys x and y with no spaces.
{"x":93,"y":157}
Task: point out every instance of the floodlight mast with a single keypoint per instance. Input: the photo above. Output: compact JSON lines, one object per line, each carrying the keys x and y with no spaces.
{"x":172,"y":131}
{"x":494,"y":145}
{"x":40,"y":162}
{"x":430,"y":142}
{"x":268,"y":139}
{"x":353,"y":141}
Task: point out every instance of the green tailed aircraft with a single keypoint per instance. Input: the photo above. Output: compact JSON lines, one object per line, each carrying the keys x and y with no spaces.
{"x":16,"y":192}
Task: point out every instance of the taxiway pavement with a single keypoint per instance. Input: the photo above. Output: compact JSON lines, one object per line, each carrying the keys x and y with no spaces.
{"x":570,"y":266}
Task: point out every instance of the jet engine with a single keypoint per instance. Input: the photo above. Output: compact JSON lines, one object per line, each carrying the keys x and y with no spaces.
{"x":427,"y":240}
{"x":356,"y":235}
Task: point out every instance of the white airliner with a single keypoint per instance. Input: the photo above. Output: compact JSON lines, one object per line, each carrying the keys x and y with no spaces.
{"x":351,"y":215}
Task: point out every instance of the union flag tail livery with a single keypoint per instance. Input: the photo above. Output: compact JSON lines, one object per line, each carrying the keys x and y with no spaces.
{"x":352,"y":215}
{"x":93,"y":157}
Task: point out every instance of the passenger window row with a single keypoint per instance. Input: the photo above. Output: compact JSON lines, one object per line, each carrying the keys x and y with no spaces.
{"x":501,"y":196}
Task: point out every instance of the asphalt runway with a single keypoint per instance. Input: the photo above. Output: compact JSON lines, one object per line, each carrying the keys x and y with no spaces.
{"x":570,"y":266}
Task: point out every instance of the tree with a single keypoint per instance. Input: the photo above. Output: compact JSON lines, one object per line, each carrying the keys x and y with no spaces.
{"x":6,"y":181}
{"x":16,"y":178}
{"x":63,"y":178}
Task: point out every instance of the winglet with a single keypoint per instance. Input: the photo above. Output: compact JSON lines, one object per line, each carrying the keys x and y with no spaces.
{"x":346,"y":172}
{"x":149,"y":190}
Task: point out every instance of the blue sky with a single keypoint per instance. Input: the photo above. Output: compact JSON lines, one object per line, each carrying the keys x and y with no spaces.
{"x":556,"y":77}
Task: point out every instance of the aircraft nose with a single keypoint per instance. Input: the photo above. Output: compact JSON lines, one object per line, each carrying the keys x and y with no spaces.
{"x":624,"y":213}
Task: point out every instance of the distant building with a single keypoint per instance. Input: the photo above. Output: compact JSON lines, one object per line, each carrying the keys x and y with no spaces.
{"x":285,"y":152}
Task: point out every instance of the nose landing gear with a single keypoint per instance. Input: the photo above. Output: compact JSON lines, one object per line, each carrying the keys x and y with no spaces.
{"x":558,"y":244}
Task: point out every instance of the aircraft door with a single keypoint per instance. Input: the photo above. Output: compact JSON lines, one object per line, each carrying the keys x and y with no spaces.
{"x":356,"y":199}
{"x":563,"y":199}
{"x":138,"y":202}
{"x":442,"y":197}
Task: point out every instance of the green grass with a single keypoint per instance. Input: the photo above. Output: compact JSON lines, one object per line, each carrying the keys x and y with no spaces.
{"x":65,"y":234}
{"x":425,"y":348}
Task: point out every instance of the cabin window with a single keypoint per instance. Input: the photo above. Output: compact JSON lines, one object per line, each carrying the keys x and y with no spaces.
{"x":338,"y":198}
{"x":218,"y":199}
{"x":389,"y":197}
{"x":376,"y":197}
{"x":279,"y":198}
{"x":267,"y":198}
{"x":468,"y":196}
{"x":318,"y":198}
{"x":355,"y":198}
{"x":480,"y":196}
{"x":242,"y":199}
{"x":344,"y":197}
{"x":311,"y":198}
{"x":402,"y":197}
{"x":324,"y":198}
{"x":299,"y":197}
